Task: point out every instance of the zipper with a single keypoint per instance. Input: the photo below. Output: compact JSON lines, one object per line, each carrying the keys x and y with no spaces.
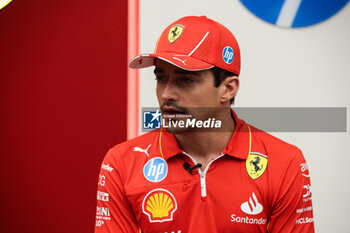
{"x":203,"y":174}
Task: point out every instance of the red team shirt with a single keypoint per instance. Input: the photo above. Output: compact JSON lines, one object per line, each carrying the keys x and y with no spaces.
{"x":258,"y":184}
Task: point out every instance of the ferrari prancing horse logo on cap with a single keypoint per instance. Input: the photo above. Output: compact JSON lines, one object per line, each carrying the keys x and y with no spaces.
{"x":175,"y":32}
{"x":256,"y":164}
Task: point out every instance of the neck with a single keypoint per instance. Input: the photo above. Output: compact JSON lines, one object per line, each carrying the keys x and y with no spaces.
{"x":205,"y":146}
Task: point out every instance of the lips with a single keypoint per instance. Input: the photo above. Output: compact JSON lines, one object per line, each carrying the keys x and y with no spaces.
{"x":171,"y":110}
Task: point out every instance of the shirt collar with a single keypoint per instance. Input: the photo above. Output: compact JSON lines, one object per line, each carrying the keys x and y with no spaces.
{"x":240,"y":142}
{"x":238,"y":146}
{"x":166,"y":145}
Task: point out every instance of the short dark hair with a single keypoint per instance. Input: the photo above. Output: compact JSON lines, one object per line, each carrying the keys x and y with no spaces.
{"x":220,"y":75}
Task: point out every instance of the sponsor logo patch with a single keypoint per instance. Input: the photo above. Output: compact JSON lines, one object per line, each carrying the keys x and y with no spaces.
{"x":305,"y":209}
{"x":304,"y":170}
{"x":227,"y":55}
{"x":102,"y":196}
{"x":99,"y":223}
{"x":159,"y":205}
{"x":155,"y":170}
{"x":247,"y":220}
{"x":180,"y":59}
{"x":252,"y":206}
{"x":256,"y":164}
{"x":178,"y":231}
{"x":304,"y":220}
{"x":138,"y":149}
{"x":306,"y":193}
{"x":107,"y":167}
{"x":175,"y":32}
{"x":101,"y":180}
{"x":103,"y":213}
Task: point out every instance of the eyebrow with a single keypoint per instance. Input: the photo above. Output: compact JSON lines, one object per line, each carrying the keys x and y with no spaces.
{"x":158,"y":70}
{"x":184,"y":72}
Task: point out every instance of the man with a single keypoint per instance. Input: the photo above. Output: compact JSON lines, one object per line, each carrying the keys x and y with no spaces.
{"x":227,"y":177}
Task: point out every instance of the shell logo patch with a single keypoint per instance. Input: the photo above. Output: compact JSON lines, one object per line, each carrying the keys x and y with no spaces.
{"x":159,"y":205}
{"x":175,"y":32}
{"x":256,"y":164}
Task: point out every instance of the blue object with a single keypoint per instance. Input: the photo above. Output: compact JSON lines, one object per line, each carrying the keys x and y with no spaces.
{"x":294,"y":13}
{"x":227,"y":54}
{"x":151,"y":119}
{"x":155,"y":169}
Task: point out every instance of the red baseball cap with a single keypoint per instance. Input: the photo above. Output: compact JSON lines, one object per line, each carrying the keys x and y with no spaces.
{"x":194,"y":43}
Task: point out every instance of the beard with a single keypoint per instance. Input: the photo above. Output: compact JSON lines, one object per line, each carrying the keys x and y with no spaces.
{"x":174,"y":117}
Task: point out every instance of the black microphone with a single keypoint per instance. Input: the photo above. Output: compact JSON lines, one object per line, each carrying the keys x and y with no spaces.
{"x":190,"y":169}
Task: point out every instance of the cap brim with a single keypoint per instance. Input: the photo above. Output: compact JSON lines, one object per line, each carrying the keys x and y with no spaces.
{"x":182,"y":61}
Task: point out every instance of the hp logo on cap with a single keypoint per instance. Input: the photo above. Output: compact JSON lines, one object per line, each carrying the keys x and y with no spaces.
{"x":227,"y":54}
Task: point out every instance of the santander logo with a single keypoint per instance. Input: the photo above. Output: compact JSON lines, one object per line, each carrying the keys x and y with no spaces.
{"x":252,"y":206}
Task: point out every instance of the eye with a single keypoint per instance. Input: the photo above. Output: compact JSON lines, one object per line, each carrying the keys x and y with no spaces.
{"x":160,"y":78}
{"x":187,"y":80}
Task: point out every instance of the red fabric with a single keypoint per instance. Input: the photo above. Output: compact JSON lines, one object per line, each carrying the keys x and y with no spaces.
{"x":62,"y":103}
{"x":227,"y":200}
{"x":200,"y":45}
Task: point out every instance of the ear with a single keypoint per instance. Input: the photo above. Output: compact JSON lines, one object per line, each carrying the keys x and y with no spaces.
{"x":229,"y":88}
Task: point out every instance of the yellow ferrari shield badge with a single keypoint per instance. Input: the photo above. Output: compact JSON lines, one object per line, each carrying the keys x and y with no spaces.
{"x":256,"y":164}
{"x":175,"y":32}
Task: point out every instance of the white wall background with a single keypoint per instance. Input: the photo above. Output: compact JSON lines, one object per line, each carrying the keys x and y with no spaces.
{"x":307,"y":67}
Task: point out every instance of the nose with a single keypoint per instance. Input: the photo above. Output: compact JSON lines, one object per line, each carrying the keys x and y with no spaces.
{"x":170,"y":91}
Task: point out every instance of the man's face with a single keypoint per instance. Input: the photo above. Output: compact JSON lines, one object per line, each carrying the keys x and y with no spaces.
{"x":180,"y":91}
